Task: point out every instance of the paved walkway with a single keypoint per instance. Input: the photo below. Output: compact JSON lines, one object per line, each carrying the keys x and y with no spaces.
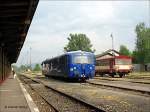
{"x":12,"y":98}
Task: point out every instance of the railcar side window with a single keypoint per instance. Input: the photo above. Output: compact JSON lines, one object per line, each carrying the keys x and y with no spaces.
{"x":97,"y":63}
{"x":102,"y":62}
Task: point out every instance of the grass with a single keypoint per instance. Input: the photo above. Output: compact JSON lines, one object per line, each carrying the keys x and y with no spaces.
{"x":138,"y":75}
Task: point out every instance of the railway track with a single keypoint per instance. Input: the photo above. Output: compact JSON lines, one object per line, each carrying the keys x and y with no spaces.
{"x":103,"y":98}
{"x":118,"y":87}
{"x":135,"y":80}
{"x":58,"y":100}
{"x":39,"y":100}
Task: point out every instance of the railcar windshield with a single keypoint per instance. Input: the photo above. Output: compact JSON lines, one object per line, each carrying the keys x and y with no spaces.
{"x":123,"y":61}
{"x":82,"y":59}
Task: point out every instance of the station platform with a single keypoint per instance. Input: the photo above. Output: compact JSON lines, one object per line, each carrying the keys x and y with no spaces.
{"x":12,"y":96}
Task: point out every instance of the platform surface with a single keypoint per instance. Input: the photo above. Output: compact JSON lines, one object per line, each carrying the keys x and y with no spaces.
{"x":12,"y":98}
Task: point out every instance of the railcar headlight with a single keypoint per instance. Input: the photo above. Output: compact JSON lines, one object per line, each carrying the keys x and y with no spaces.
{"x":90,"y":68}
{"x":74,"y":68}
{"x":71,"y":69}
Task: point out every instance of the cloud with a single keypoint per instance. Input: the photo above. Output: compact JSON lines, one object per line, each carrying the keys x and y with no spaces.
{"x":55,"y":20}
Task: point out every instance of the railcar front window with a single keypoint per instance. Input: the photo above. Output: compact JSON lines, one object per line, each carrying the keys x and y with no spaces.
{"x":82,"y":59}
{"x":123,"y":61}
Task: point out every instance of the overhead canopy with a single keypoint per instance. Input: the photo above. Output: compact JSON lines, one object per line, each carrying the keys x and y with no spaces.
{"x":15,"y":19}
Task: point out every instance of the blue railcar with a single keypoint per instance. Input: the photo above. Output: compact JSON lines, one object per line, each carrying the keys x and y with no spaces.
{"x":72,"y":65}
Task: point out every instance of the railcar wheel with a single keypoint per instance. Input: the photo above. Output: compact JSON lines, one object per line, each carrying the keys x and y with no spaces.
{"x":101,"y":74}
{"x":112,"y":75}
{"x":121,"y":75}
{"x":82,"y":80}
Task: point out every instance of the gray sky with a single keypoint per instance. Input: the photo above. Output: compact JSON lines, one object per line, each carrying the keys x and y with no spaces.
{"x":55,"y":20}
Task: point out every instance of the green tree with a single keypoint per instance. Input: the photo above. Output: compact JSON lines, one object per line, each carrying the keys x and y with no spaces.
{"x":124,"y":50}
{"x":37,"y":67}
{"x":16,"y":69}
{"x":134,"y":56}
{"x":78,"y":42}
{"x":22,"y":68}
{"x":142,"y":50}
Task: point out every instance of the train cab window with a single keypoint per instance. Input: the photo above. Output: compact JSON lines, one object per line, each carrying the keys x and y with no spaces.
{"x":82,"y":59}
{"x":123,"y":61}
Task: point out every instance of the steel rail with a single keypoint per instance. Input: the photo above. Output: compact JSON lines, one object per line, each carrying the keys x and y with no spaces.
{"x":142,"y":92}
{"x":95,"y":109}
{"x":38,"y":93}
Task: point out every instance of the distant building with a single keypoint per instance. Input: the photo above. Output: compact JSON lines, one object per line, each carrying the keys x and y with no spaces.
{"x":110,"y":53}
{"x":140,"y":67}
{"x":107,"y":54}
{"x":148,"y":66}
{"x":113,"y":63}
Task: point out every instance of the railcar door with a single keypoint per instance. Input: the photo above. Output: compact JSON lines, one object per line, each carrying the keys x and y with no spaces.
{"x":111,"y":65}
{"x":66,"y":65}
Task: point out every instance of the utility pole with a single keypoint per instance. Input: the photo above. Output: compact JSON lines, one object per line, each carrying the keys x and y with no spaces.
{"x":148,"y":11}
{"x":112,"y":43}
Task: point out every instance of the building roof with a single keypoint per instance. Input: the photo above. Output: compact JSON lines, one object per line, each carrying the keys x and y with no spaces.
{"x":110,"y":52}
{"x":15,"y":19}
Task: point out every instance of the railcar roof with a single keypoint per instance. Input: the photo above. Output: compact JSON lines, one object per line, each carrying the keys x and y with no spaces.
{"x":78,"y":52}
{"x":68,"y":53}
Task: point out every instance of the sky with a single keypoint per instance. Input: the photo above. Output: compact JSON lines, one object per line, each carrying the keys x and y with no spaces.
{"x":55,"y":20}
